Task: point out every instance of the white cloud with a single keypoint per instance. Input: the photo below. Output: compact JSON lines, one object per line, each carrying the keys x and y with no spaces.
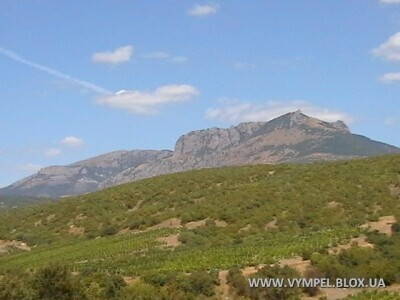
{"x":390,"y":1}
{"x":72,"y":141}
{"x":390,"y":49}
{"x":203,"y":10}
{"x":148,"y":102}
{"x":119,"y":55}
{"x":390,"y":77}
{"x":30,"y":168}
{"x":237,"y":112}
{"x":52,"y":152}
{"x":161,"y":55}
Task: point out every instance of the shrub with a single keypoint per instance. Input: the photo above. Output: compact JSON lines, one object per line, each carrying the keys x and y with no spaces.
{"x":56,"y":282}
{"x":110,"y":230}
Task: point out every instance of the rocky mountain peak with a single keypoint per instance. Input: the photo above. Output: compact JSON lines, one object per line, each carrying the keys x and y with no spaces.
{"x":299,"y":120}
{"x":292,"y":137}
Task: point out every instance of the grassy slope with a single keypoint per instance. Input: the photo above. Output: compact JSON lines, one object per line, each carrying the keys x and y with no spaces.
{"x":7,"y":202}
{"x":297,"y":196}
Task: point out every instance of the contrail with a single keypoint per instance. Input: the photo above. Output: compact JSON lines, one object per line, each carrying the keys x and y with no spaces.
{"x":16,"y":57}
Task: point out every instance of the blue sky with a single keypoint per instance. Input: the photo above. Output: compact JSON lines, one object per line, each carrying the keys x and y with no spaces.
{"x":81,"y":78}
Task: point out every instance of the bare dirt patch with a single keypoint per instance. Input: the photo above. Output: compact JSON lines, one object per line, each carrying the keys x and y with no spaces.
{"x":296,"y":263}
{"x":50,"y":217}
{"x":75,"y":230}
{"x":131,"y":280}
{"x":271,"y":225}
{"x":245,"y":228}
{"x":220,"y":223}
{"x":170,"y":223}
{"x":223,"y":289}
{"x":7,"y":246}
{"x":196,"y":224}
{"x":80,"y":217}
{"x":171,"y":241}
{"x":360,"y":241}
{"x":248,"y":271}
{"x":334,"y":204}
{"x":383,"y":225}
{"x":136,"y":207}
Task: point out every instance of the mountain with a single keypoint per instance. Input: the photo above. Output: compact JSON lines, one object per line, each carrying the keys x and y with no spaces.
{"x":81,"y":177}
{"x":290,"y":138}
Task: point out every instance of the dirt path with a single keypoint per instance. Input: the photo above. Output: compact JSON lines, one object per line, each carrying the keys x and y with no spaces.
{"x":223,"y":290}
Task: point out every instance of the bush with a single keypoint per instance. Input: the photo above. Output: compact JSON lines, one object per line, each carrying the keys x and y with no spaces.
{"x":15,"y":287}
{"x":276,"y":293}
{"x":109,"y":231}
{"x":141,"y":291}
{"x":56,"y":282}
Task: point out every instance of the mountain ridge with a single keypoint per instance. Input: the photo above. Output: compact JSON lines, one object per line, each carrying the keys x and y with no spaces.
{"x":291,"y":138}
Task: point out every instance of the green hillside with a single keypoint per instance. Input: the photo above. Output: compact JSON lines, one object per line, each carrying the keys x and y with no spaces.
{"x":7,"y":202}
{"x":216,"y":219}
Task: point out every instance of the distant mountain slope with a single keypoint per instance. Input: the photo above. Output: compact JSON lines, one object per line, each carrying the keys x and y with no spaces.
{"x":81,"y":177}
{"x":293,"y":137}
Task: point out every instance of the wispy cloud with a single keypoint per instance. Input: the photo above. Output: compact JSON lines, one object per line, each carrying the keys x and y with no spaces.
{"x":390,"y":78}
{"x":55,"y":73}
{"x":389,"y":50}
{"x":52,"y":152}
{"x":236,"y":112}
{"x":161,"y":55}
{"x":203,"y":10}
{"x":179,"y":59}
{"x":72,"y":141}
{"x":390,"y":1}
{"x":140,"y":102}
{"x":117,"y":56}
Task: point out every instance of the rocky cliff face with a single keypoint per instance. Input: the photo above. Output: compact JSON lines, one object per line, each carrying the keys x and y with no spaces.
{"x":293,"y":137}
